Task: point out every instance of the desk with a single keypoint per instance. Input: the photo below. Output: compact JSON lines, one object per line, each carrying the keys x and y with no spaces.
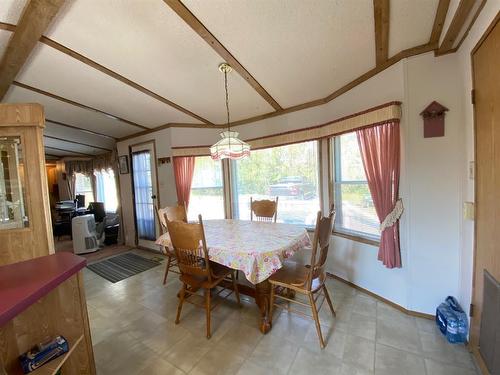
{"x":257,"y":249}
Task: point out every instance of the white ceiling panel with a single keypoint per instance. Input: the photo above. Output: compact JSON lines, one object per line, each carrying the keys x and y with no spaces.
{"x":74,"y":80}
{"x":51,"y":151}
{"x":73,"y":147}
{"x":148,"y":43}
{"x":415,"y":18}
{"x":4,"y":40}
{"x":59,"y":131}
{"x":72,"y":115}
{"x":11,"y":10}
{"x":467,"y":22}
{"x":297,"y":50}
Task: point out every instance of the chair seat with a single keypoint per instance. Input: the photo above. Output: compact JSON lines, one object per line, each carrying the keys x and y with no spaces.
{"x":294,"y":275}
{"x":219,"y":272}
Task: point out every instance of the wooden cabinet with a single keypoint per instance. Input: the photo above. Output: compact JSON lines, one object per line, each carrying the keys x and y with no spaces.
{"x":28,"y":233}
{"x":39,"y":300}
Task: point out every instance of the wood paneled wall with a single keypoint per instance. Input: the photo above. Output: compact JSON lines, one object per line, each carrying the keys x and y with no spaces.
{"x":27,"y":122}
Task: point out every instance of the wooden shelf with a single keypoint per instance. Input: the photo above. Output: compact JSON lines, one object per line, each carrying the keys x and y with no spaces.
{"x":50,"y":368}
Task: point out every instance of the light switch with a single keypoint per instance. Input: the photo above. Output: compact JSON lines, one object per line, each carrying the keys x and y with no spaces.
{"x":468,"y":210}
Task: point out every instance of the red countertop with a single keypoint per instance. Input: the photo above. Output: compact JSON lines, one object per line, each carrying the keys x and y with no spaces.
{"x":24,"y":283}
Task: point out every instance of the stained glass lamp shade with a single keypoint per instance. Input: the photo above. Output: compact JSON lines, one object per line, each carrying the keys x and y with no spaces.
{"x":230,"y":146}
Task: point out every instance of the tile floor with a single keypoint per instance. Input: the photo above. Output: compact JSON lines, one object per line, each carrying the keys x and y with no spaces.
{"x":133,"y":332}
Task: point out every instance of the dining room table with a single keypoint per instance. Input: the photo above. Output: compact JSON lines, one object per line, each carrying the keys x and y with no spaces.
{"x":256,"y":249}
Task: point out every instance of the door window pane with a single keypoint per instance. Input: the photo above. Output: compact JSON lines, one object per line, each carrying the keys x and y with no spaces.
{"x":289,"y":172}
{"x":356,"y":213}
{"x":143,"y":192}
{"x":207,"y":190}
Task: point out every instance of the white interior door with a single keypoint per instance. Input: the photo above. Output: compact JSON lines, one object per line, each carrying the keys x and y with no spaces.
{"x":145,"y":194}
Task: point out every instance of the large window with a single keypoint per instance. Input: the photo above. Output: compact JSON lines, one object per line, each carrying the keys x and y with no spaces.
{"x":106,"y":189}
{"x":290,"y":172}
{"x":207,"y":190}
{"x":355,"y":211}
{"x":83,"y":186}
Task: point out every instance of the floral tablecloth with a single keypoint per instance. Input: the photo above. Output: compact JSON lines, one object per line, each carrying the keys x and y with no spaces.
{"x":255,"y":248}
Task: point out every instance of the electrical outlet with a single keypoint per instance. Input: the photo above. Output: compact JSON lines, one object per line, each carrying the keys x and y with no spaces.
{"x":468,"y":210}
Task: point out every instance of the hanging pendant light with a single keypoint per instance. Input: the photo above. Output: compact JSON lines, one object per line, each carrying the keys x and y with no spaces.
{"x":230,"y":146}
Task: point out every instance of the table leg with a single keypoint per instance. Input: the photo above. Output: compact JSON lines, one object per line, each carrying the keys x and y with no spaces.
{"x":262,"y":298}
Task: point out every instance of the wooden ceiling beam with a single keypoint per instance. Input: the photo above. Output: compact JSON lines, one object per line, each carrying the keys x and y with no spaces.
{"x":71,"y":152}
{"x":36,"y":17}
{"x":381,"y":14}
{"x":459,"y":18}
{"x":437,"y":28}
{"x":188,"y":17}
{"x":81,"y":129}
{"x":76,"y":104}
{"x":77,"y":143}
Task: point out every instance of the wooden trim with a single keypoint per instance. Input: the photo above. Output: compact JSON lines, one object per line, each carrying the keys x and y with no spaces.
{"x":478,"y":11}
{"x":68,"y":51}
{"x":171,"y":125}
{"x":478,"y":358}
{"x":81,"y":129}
{"x":485,"y":35}
{"x":381,"y":14}
{"x":71,"y":152}
{"x":69,"y":101}
{"x":437,"y":28}
{"x":188,"y":17}
{"x":463,"y":10}
{"x":77,"y":143}
{"x":382,"y":299}
{"x":355,"y":238}
{"x":393,"y":60}
{"x":35,"y":19}
{"x":119,"y":77}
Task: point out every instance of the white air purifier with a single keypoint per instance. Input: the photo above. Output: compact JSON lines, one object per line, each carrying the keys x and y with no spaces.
{"x":84,"y":234}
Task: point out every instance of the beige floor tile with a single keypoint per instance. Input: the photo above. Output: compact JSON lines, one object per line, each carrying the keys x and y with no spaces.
{"x":334,"y":341}
{"x":437,"y":368}
{"x":427,"y":325}
{"x":275,"y":353}
{"x":435,"y":346}
{"x":390,"y":314}
{"x":399,"y":335}
{"x":390,"y":361}
{"x":365,"y":305}
{"x":158,"y":366}
{"x":362,"y":326}
{"x":241,"y":339}
{"x":187,"y":352}
{"x":252,"y":368}
{"x":307,"y":362}
{"x":348,"y":369}
{"x":291,"y":326}
{"x":218,"y":361}
{"x":359,"y":353}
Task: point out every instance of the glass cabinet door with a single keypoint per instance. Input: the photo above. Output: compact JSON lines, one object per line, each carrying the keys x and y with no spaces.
{"x":13,"y":210}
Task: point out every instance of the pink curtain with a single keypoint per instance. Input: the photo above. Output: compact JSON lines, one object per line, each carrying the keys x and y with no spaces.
{"x":183,"y":171}
{"x":380,"y":151}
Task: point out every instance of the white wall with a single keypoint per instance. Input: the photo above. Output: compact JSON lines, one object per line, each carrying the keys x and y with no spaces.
{"x":166,"y":194}
{"x":436,"y":243}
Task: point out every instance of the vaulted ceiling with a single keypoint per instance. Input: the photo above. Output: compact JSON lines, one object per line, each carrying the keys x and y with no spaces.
{"x":109,"y":69}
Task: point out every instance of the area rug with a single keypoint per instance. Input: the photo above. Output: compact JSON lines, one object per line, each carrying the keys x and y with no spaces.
{"x":122,"y":266}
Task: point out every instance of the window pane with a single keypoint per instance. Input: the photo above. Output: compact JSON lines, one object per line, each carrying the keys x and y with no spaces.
{"x":355,"y":210}
{"x":83,"y":186}
{"x":207,"y":192}
{"x":106,"y":189}
{"x":290,"y":172}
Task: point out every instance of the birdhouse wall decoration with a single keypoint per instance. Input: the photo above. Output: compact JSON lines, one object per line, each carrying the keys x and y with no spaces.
{"x":433,"y":116}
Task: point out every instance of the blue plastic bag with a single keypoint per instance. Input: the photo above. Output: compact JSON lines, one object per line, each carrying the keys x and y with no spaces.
{"x":452,"y":320}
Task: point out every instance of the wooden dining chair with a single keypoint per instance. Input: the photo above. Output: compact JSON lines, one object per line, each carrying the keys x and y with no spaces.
{"x":263,"y":210}
{"x":197,"y":271}
{"x":172,"y":213}
{"x":308,"y":280}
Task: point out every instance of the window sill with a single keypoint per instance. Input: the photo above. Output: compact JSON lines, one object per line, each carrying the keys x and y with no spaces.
{"x":357,"y":238}
{"x":351,"y":237}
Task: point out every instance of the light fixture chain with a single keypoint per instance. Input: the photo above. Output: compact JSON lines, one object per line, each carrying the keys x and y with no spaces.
{"x":227,"y":101}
